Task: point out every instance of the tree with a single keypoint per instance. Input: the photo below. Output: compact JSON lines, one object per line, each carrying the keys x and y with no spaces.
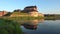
{"x":18,"y":10}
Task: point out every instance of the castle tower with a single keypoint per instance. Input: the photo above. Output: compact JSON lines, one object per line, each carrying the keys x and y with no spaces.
{"x":32,"y":10}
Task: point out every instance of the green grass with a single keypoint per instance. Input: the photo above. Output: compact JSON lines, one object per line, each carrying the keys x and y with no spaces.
{"x":9,"y":27}
{"x":20,"y":13}
{"x":23,"y":18}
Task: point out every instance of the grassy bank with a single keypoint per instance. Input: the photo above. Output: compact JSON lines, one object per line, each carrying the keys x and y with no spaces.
{"x":23,"y":18}
{"x":9,"y":27}
{"x":49,"y":18}
{"x":52,"y":16}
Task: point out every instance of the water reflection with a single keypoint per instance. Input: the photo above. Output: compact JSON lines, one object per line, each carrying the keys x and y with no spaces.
{"x":41,"y":26}
{"x":31,"y":24}
{"x":31,"y":27}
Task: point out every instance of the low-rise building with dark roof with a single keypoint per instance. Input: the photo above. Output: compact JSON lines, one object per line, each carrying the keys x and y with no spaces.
{"x":2,"y":13}
{"x":30,"y":9}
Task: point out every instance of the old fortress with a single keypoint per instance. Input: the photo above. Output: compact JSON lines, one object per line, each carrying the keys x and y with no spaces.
{"x":31,"y":10}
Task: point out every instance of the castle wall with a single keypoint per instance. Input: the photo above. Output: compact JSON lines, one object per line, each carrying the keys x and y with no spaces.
{"x":34,"y":14}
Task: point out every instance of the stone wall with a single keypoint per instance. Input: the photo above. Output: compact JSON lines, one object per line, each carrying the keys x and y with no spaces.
{"x":33,"y":14}
{"x":40,"y":14}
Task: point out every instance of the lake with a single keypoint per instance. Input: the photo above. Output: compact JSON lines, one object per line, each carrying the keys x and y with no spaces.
{"x":41,"y":27}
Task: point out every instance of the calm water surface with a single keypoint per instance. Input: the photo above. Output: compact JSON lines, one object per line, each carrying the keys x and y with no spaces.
{"x":41,"y":27}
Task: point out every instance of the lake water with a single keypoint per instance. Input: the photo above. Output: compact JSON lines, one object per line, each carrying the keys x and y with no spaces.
{"x":41,"y":27}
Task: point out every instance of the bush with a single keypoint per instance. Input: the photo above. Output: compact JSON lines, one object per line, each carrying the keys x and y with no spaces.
{"x":9,"y":27}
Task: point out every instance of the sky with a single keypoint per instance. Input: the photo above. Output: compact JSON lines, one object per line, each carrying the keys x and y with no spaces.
{"x":44,"y":6}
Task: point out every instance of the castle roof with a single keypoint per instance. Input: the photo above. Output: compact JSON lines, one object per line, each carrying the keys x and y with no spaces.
{"x":31,"y":7}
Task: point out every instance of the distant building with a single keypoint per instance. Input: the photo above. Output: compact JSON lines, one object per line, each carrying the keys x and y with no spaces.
{"x":30,"y":9}
{"x":2,"y":13}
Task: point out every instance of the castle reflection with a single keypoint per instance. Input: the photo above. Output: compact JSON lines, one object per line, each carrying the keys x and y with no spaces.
{"x":31,"y":24}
